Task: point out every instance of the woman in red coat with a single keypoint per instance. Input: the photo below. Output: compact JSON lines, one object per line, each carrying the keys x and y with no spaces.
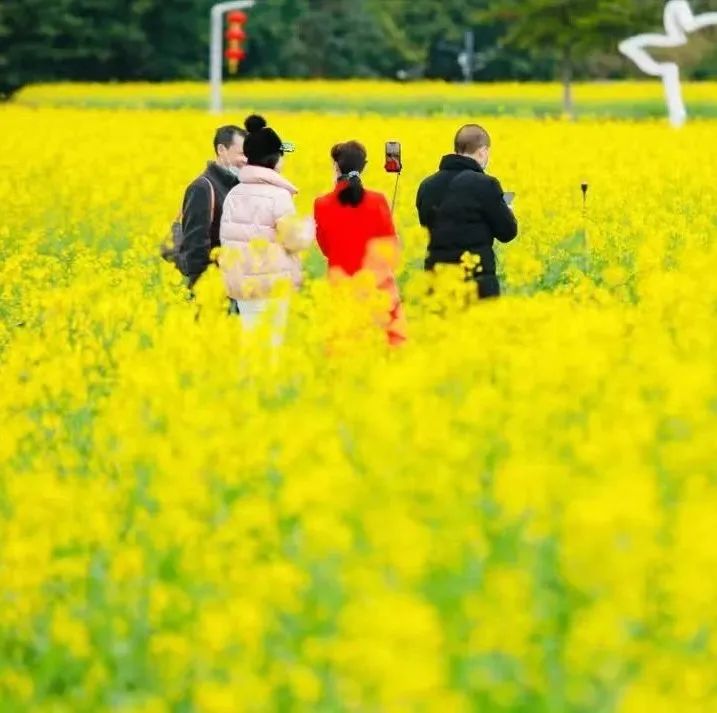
{"x":355,"y":232}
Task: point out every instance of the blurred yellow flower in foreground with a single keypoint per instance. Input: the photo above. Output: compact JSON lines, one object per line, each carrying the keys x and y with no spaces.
{"x":511,"y":513}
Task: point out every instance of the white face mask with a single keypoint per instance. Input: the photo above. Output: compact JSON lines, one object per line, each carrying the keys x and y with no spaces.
{"x":236,"y":172}
{"x":483,"y":162}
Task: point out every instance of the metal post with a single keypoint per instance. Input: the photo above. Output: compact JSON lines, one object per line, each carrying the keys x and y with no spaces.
{"x":470,"y":40}
{"x":216,"y":43}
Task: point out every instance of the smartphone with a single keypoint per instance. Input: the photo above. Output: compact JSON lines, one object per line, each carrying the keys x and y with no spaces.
{"x":393,"y":157}
{"x":509,"y":197}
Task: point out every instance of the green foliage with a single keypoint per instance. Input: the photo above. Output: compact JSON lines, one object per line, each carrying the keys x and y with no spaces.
{"x":573,"y":30}
{"x":101,"y":40}
{"x":317,"y":38}
{"x":582,"y":29}
{"x":574,"y":26}
{"x":413,"y":26}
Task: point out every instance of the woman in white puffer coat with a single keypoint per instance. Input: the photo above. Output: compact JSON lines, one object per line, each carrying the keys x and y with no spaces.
{"x":260,"y":242}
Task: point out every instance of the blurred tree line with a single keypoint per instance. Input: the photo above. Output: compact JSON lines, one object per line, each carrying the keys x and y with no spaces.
{"x":100,"y":40}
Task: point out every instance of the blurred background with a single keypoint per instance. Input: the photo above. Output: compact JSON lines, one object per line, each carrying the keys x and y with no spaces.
{"x":451,"y":40}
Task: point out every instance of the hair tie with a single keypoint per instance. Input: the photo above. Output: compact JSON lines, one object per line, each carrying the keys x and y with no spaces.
{"x":348,"y":176}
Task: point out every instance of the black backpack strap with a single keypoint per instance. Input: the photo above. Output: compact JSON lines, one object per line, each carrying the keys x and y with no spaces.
{"x":213,"y":199}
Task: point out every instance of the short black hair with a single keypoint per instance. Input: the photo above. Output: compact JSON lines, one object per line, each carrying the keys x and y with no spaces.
{"x":224,"y":136}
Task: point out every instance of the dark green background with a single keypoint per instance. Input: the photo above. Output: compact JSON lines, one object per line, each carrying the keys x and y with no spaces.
{"x":104,"y":40}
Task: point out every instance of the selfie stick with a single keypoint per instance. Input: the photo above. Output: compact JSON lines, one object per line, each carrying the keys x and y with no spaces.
{"x":395,"y":192}
{"x":584,"y":188}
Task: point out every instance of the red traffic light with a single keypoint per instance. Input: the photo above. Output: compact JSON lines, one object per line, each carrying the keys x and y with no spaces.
{"x":236,"y":55}
{"x":236,"y":33}
{"x":238,"y":16}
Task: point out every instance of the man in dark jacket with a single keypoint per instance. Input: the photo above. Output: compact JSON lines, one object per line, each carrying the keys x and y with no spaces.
{"x":465,"y":211}
{"x":204,"y":199}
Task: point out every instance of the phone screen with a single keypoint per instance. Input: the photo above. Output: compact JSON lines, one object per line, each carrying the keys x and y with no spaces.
{"x":393,"y":157}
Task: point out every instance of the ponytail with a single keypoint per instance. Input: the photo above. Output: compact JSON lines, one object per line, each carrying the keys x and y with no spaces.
{"x":350,"y":158}
{"x":354,"y":191}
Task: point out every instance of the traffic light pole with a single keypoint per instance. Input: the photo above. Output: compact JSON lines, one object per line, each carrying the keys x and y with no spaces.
{"x":216,"y":43}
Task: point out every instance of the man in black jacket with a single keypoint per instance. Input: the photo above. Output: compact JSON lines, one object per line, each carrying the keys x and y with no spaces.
{"x":465,"y":211}
{"x":204,"y":199}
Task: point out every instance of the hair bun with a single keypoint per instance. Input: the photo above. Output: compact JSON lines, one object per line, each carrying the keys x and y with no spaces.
{"x":254,"y":123}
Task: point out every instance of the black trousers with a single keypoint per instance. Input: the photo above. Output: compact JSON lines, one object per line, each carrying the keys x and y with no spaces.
{"x":488,"y":286}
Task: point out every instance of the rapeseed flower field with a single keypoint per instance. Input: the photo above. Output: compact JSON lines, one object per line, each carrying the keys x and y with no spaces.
{"x":512,"y":513}
{"x":604,"y":99}
{"x":627,"y":91}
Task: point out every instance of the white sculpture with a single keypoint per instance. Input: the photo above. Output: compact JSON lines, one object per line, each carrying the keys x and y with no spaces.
{"x":680,"y":21}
